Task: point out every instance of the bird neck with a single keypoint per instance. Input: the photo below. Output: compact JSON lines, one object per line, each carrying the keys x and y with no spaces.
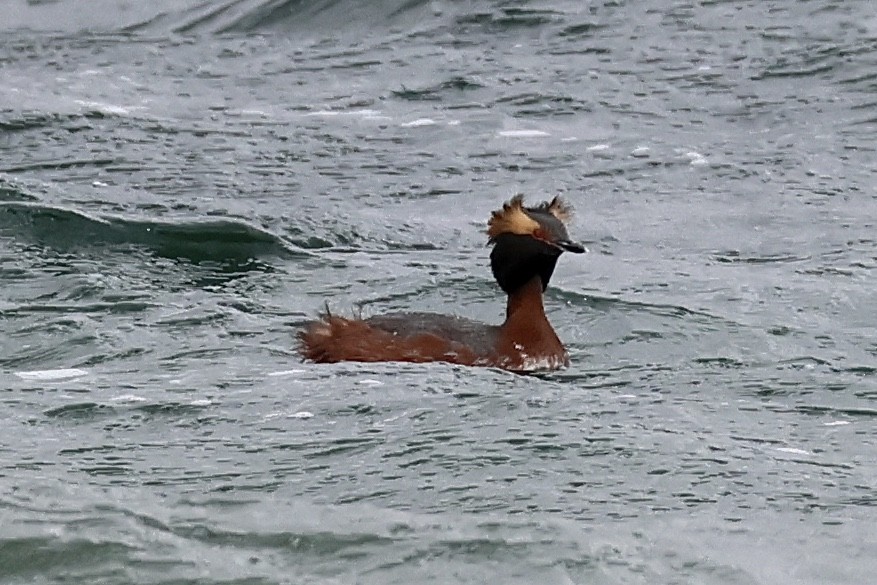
{"x":525,"y":303}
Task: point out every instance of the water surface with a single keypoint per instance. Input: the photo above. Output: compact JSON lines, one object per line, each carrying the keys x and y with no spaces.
{"x":182,"y":185}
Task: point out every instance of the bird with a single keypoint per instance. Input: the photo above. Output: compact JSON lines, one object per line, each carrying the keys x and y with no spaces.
{"x":527,"y":242}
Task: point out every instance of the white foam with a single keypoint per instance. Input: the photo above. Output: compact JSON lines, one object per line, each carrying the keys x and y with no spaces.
{"x":794,"y":451}
{"x":129,"y":398}
{"x":837,"y":423}
{"x":542,"y":364}
{"x":696,"y":159}
{"x":105,"y":108}
{"x":523,"y":133}
{"x":51,"y":375}
{"x":369,"y":382}
{"x":302,"y":414}
{"x":287,"y":372}
{"x":332,"y":113}
{"x":419,"y":122}
{"x":601,"y":151}
{"x":640,"y":152}
{"x":531,"y":364}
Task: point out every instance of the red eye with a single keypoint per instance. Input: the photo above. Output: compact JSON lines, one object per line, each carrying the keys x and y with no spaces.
{"x":539,"y":234}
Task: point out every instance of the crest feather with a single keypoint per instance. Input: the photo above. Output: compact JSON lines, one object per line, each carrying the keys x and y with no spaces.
{"x":558,"y":208}
{"x":511,"y":219}
{"x":514,"y":218}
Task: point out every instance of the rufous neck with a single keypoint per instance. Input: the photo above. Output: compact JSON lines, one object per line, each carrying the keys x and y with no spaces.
{"x":526,"y":301}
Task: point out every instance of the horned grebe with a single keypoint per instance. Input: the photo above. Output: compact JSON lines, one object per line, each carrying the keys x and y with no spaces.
{"x":527,"y":241}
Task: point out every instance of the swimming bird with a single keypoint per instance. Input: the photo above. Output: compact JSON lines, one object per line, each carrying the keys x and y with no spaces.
{"x":527,"y":241}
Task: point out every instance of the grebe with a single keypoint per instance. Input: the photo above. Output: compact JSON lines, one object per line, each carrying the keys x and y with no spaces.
{"x":527,"y":242}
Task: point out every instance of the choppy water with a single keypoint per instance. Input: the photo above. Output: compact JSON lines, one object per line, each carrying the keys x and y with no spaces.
{"x":183,"y":184}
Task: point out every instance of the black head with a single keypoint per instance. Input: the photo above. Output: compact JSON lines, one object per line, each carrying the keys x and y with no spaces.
{"x":527,"y":241}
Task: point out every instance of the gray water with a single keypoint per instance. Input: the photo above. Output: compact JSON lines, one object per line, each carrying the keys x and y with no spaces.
{"x":184,"y":184}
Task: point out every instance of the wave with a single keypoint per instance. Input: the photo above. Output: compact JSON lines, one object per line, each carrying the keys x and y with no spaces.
{"x":214,"y":240}
{"x":248,"y":16}
{"x":333,"y":17}
{"x":327,"y":15}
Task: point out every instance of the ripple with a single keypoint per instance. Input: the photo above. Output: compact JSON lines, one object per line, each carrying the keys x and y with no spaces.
{"x":439,"y":91}
{"x":736,"y":257}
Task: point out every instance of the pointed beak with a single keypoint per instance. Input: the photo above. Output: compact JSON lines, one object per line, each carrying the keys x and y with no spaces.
{"x":573,"y":247}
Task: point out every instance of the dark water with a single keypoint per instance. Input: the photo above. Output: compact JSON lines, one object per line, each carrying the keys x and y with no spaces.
{"x":183,"y":184}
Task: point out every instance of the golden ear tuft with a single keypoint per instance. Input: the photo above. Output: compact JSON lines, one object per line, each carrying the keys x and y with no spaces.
{"x":511,"y":219}
{"x":560,"y":209}
{"x":557,"y":207}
